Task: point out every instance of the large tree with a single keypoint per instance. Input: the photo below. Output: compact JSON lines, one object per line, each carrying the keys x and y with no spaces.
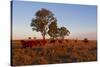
{"x":53,"y":30}
{"x":43,"y":18}
{"x":63,"y":31}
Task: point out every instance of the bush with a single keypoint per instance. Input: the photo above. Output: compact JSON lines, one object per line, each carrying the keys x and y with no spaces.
{"x":29,"y":37}
{"x":85,"y":40}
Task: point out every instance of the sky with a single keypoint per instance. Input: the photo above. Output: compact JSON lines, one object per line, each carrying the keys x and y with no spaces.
{"x":80,"y":20}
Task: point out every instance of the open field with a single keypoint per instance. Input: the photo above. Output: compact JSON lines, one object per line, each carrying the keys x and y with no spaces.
{"x":53,"y":52}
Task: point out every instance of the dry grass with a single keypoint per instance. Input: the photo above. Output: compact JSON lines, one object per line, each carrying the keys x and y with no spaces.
{"x":66,"y":52}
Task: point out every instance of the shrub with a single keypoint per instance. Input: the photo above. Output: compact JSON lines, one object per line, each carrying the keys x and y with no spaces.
{"x":85,"y":40}
{"x":29,"y":37}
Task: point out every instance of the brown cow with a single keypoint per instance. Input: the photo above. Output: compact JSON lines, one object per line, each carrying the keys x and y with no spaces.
{"x":43,"y":42}
{"x":52,"y":41}
{"x":29,"y":43}
{"x":60,"y":41}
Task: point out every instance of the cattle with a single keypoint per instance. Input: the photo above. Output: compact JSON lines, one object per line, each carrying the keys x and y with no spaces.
{"x":66,"y":40}
{"x":60,"y":41}
{"x":52,"y":41}
{"x":31,"y":43}
{"x":75,"y":41}
{"x":43,"y":42}
{"x":38,"y":42}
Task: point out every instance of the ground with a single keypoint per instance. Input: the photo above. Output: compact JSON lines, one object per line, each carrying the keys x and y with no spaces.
{"x":67,"y":51}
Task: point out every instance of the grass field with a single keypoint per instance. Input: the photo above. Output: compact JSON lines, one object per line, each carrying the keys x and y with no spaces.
{"x":68,"y":51}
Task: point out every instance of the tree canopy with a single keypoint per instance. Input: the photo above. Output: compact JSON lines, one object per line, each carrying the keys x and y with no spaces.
{"x":46,"y":23}
{"x":63,"y":31}
{"x":43,"y":18}
{"x":53,"y":29}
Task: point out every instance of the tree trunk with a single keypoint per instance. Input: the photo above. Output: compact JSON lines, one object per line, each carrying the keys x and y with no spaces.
{"x":43,"y":41}
{"x":43,"y":36}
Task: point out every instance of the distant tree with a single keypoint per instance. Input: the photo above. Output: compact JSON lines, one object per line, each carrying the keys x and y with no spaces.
{"x":63,"y":32}
{"x":29,"y":37}
{"x":85,"y":40}
{"x":43,"y":18}
{"x":53,"y":33}
{"x":34,"y":37}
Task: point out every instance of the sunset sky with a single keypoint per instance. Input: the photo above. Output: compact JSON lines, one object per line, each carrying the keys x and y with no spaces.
{"x":81,"y":20}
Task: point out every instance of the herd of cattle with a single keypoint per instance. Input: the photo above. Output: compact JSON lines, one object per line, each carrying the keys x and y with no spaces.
{"x":32,"y":43}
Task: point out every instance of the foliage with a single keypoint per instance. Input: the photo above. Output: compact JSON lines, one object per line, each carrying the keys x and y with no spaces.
{"x":53,"y":29}
{"x":46,"y":23}
{"x":63,"y":31}
{"x":85,"y":40}
{"x":41,"y":21}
